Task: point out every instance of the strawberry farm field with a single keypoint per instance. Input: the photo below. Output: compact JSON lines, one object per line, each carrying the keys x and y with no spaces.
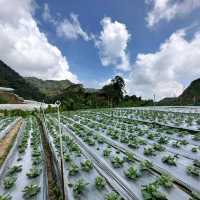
{"x":110,"y":154}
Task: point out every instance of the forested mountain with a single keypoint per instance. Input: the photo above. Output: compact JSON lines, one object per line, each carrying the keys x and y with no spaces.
{"x":49,"y":87}
{"x":10,"y":78}
{"x":190,"y":96}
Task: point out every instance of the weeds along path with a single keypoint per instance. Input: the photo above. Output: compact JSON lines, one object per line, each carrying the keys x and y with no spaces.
{"x":7,"y":141}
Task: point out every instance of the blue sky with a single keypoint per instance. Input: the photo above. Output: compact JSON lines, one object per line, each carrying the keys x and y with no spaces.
{"x":91,"y":41}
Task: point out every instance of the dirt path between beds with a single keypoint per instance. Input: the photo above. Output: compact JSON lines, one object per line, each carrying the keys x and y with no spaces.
{"x":7,"y":142}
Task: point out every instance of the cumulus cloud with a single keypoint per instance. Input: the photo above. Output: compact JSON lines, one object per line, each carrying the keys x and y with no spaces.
{"x":169,"y":9}
{"x":71,"y":28}
{"x":24,"y":47}
{"x":112,"y":44}
{"x":162,"y":73}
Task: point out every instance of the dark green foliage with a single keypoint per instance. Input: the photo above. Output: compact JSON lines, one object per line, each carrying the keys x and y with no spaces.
{"x":9,"y":78}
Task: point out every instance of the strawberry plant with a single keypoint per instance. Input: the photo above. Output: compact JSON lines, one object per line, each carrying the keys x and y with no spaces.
{"x":165,"y":180}
{"x":133,"y":144}
{"x":5,"y":197}
{"x":158,"y":147}
{"x":151,"y":192}
{"x":30,"y":191}
{"x":73,"y":169}
{"x":36,"y":160}
{"x":9,"y":181}
{"x":79,"y":187}
{"x":194,"y":149}
{"x":106,"y":152}
{"x":149,"y":151}
{"x":100,"y":182}
{"x":132,"y":173}
{"x":86,"y":165}
{"x":170,"y":160}
{"x":113,"y":196}
{"x":196,"y":137}
{"x":117,"y":162}
{"x":129,"y":157}
{"x":145,"y":165}
{"x":193,"y":170}
{"x":163,"y":140}
{"x":15,"y":169}
{"x":176,"y":144}
{"x":67,"y":157}
{"x":195,"y":196}
{"x":34,"y":172}
{"x":151,"y":136}
{"x":196,"y":163}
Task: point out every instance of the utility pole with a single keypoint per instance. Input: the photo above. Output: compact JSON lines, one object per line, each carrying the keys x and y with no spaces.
{"x":58,"y":103}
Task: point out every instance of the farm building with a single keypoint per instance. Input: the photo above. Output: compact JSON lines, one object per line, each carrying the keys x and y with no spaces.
{"x":7,"y":95}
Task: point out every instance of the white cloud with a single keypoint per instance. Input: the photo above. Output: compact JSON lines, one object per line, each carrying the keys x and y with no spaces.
{"x":25,"y":48}
{"x":165,"y":72}
{"x":46,"y":15}
{"x":71,"y":28}
{"x":112,"y":43}
{"x":169,"y":9}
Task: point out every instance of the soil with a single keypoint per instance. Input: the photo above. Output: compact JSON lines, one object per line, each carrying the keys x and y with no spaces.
{"x":7,"y":142}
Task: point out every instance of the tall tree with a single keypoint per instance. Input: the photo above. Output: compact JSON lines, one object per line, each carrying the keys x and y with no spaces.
{"x":115,"y":90}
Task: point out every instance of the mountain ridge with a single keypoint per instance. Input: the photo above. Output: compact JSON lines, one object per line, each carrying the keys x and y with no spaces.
{"x":49,"y":87}
{"x":10,"y":78}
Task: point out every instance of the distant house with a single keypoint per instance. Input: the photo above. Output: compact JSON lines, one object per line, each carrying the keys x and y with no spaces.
{"x":7,"y":95}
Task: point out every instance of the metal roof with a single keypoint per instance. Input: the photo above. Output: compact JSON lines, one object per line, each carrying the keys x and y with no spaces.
{"x":6,"y":89}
